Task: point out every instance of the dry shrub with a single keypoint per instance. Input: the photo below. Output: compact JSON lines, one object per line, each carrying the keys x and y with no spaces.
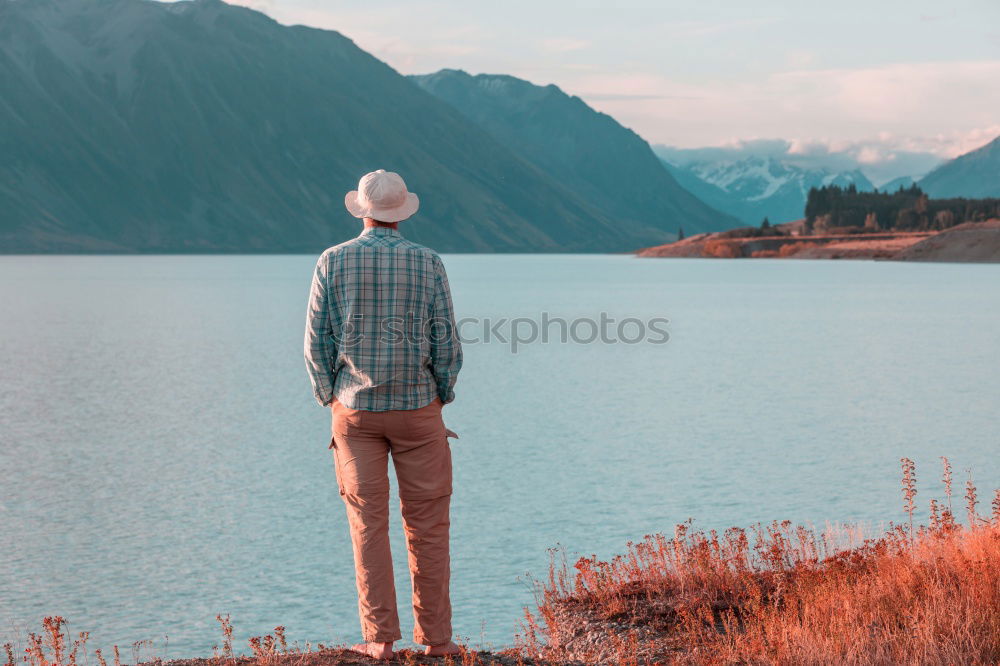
{"x":722,"y":249}
{"x":779,"y":594}
{"x":789,"y":249}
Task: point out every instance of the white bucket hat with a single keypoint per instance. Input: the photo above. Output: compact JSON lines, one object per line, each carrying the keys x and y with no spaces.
{"x":382,"y":195}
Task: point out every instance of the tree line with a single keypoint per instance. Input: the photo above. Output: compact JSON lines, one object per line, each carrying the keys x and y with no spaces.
{"x":832,"y":208}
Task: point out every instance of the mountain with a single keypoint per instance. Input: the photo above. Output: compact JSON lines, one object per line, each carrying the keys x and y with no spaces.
{"x":893,"y":185}
{"x":973,"y":175}
{"x":877,"y":160}
{"x":196,"y":126}
{"x":756,"y":187}
{"x":592,"y":154}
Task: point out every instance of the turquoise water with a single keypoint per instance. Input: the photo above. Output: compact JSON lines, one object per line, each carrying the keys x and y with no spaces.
{"x":163,"y":460}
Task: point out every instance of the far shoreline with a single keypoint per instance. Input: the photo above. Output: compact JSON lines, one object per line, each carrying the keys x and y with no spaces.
{"x":972,"y":242}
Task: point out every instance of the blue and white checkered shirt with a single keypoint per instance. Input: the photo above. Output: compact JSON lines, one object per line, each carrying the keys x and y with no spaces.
{"x":380,"y":327}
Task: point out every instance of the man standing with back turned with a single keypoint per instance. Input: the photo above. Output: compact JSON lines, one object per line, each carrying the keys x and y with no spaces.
{"x":383,"y":353}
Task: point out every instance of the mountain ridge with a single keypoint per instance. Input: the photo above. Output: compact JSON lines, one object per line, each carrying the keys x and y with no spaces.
{"x":596,"y":156}
{"x":198,"y":126}
{"x":973,"y":175}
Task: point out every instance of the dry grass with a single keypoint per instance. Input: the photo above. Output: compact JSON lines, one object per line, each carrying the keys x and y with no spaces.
{"x":779,"y":594}
{"x":791,"y":249}
{"x":722,"y":248}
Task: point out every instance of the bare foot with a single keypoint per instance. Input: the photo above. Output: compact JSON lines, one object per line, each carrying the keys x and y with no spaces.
{"x":374,"y":650}
{"x":442,"y":650}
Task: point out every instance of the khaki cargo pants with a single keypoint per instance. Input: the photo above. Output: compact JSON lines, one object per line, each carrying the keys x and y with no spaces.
{"x":362,"y":443}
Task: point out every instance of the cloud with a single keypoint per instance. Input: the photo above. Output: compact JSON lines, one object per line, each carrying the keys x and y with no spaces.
{"x":951,"y":144}
{"x":890,"y":93}
{"x":871,"y":155}
{"x":736,"y":149}
{"x":877,"y":114}
{"x":881,"y":158}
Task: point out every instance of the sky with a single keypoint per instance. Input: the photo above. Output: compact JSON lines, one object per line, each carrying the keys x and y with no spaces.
{"x":894,"y":85}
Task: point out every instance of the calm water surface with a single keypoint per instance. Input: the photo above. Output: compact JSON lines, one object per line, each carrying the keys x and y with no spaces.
{"x":163,"y":460}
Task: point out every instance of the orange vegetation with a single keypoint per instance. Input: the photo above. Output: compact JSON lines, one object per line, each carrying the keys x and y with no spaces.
{"x":779,"y":594}
{"x":786,"y":250}
{"x":794,"y":248}
{"x":721,"y":248}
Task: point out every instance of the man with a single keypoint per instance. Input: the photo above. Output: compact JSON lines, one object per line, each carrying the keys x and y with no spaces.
{"x":382,"y":352}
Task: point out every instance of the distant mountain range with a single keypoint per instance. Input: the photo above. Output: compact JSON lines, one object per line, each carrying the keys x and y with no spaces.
{"x":591,"y":153}
{"x":128,"y":125}
{"x":896,"y":183}
{"x":975,"y":174}
{"x":754,"y":188}
{"x":758,"y":186}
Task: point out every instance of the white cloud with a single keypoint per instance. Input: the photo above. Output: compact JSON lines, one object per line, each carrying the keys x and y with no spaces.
{"x":881,"y":158}
{"x":951,"y":144}
{"x":893,"y":93}
{"x":872,"y":155}
{"x":944,"y":108}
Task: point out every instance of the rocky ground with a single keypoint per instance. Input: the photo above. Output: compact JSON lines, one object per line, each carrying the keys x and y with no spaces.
{"x":643,"y":632}
{"x":344,"y":657}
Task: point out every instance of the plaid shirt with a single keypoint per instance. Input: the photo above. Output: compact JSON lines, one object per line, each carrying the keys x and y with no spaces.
{"x":380,"y":328}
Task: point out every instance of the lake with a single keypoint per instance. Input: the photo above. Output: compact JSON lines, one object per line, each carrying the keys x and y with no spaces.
{"x":163,"y":458}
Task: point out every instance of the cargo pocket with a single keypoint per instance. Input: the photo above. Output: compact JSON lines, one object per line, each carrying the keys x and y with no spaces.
{"x":336,"y":470}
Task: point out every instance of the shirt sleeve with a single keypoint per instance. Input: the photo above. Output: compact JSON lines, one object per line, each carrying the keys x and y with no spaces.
{"x":446,"y":349}
{"x":320,"y":346}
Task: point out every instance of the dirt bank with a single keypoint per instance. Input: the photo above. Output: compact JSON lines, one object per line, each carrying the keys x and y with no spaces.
{"x":971,"y":242}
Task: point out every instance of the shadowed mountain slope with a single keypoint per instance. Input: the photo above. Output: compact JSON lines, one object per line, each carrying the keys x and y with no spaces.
{"x":974,"y":175}
{"x":130,"y":125}
{"x":590,"y":152}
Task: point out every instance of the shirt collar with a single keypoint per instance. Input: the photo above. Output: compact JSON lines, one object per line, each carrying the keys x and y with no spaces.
{"x":380,"y":231}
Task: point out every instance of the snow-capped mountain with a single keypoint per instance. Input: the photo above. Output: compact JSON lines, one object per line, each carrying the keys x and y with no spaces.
{"x":760,"y":178}
{"x":755,"y":187}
